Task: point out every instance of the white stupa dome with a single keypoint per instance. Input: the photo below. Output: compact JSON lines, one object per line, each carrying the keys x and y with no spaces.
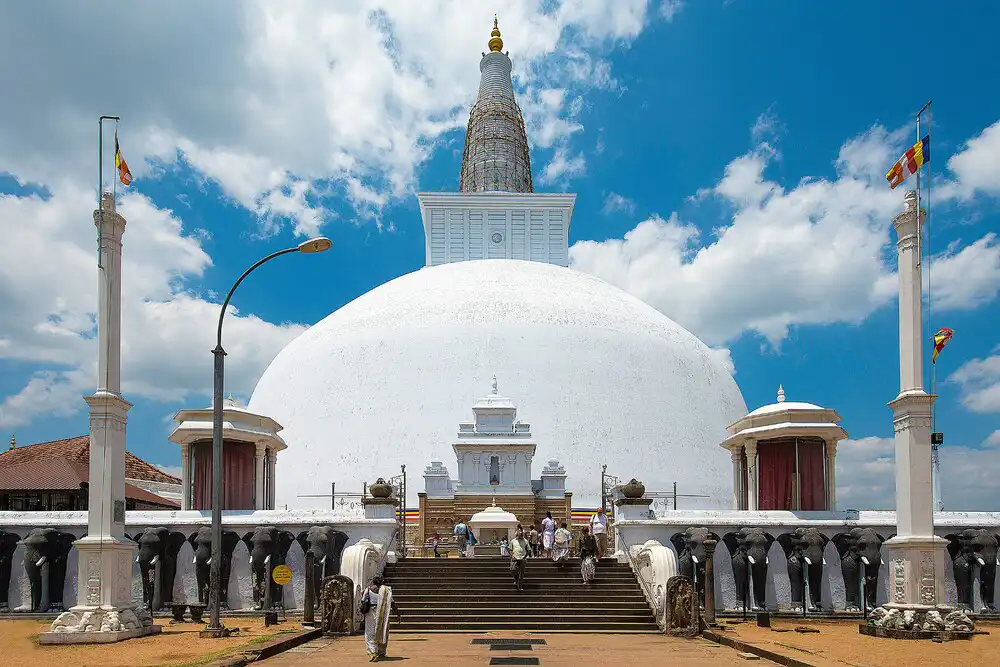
{"x":601,"y":376}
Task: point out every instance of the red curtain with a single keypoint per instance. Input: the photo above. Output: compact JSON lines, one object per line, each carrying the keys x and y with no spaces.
{"x":813,"y":481}
{"x":237,"y":475}
{"x":775,"y":466}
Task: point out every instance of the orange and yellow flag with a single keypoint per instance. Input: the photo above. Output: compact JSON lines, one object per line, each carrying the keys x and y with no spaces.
{"x":123,"y":173}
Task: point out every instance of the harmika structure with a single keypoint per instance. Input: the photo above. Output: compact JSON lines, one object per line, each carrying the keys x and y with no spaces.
{"x":605,"y":378}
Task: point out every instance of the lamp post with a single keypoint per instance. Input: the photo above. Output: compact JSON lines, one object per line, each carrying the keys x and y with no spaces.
{"x":214,"y":623}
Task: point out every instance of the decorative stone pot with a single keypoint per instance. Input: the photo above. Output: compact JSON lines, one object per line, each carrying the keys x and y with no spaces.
{"x":634,"y":489}
{"x":380,"y":489}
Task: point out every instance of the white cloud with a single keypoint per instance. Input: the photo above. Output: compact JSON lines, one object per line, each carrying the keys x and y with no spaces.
{"x":616,"y":203}
{"x":562,"y":167}
{"x":964,"y":278}
{"x":48,"y":265}
{"x":979,"y":380}
{"x":289,"y":105}
{"x":815,"y":253}
{"x":993,"y":440}
{"x":974,"y":167}
{"x":669,"y":8}
{"x":970,"y":476}
{"x":725,"y":357}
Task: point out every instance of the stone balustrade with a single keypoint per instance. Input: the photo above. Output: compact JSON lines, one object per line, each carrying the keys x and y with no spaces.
{"x":366,"y":549}
{"x":637,"y":531}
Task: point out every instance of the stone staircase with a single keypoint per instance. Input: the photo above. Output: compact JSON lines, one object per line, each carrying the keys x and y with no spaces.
{"x":478,"y":595}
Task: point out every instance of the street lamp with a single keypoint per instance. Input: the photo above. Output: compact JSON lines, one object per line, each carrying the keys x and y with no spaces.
{"x":318,"y":244}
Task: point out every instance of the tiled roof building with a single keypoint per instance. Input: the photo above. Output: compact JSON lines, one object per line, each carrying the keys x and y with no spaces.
{"x":50,"y":476}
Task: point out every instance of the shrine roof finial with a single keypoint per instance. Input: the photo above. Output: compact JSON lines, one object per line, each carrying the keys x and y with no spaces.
{"x":781,"y":394}
{"x":494,"y":385}
{"x":496,"y":44}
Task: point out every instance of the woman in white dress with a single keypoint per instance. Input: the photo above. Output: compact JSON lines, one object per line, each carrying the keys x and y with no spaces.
{"x":560,"y":544}
{"x":548,"y":534}
{"x":375,"y":603}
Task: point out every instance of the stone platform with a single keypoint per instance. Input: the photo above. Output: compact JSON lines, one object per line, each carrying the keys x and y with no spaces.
{"x":97,"y":637}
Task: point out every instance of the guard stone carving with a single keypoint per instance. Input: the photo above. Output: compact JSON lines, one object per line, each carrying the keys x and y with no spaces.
{"x":680,"y":618}
{"x":337,"y":602}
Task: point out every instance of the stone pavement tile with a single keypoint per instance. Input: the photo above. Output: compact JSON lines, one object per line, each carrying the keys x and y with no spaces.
{"x":560,"y":650}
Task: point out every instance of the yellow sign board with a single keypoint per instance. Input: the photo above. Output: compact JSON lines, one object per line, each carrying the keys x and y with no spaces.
{"x":282,"y":574}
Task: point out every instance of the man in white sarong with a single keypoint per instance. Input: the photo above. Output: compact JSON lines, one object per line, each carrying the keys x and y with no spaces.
{"x":378,"y":598}
{"x":548,"y":534}
{"x":561,"y":541}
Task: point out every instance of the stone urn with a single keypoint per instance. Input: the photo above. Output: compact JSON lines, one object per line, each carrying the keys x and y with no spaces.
{"x":380,"y":489}
{"x":634,"y":489}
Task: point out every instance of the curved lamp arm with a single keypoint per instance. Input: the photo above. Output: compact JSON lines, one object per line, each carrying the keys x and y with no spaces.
{"x":225,"y":304}
{"x":318,"y":244}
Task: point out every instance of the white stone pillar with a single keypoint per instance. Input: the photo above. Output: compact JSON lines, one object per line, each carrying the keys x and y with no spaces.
{"x":259,"y":473}
{"x":104,"y":590}
{"x":185,"y":476}
{"x":736,"y":455}
{"x":831,"y":474}
{"x":916,"y":557}
{"x":750,"y":445}
{"x":272,"y":465}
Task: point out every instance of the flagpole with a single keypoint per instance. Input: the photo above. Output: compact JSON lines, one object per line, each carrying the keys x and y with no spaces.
{"x":100,"y":180}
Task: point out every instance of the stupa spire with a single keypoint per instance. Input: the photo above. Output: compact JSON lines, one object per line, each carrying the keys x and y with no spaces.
{"x":496,"y":145}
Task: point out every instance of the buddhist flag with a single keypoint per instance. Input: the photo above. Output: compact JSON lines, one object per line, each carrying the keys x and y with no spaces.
{"x":917,"y":156}
{"x":941,"y":339}
{"x":123,"y":173}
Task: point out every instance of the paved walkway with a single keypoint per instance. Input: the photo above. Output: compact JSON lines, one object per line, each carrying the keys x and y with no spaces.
{"x":560,"y":650}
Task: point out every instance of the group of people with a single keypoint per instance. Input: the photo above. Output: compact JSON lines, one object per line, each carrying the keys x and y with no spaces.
{"x":376,"y":602}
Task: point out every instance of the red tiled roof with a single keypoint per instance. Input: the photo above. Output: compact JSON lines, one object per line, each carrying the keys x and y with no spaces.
{"x":55,"y":474}
{"x":77,"y":450}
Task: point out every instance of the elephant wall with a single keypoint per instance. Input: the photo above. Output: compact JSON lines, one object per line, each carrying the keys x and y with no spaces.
{"x":185,"y":585}
{"x":636,"y":531}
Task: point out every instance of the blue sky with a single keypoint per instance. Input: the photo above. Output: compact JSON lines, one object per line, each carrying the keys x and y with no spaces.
{"x":728,"y":159}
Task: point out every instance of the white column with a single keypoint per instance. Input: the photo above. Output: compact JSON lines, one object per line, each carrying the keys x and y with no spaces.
{"x":735,"y":455}
{"x":185,"y":476}
{"x":105,"y":555}
{"x":259,"y":471}
{"x":831,"y":474}
{"x":272,"y":466}
{"x":751,"y":449}
{"x":915,"y":555}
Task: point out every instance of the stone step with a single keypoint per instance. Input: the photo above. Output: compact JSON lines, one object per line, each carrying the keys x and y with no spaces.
{"x":520,"y":602}
{"x":504,"y":616}
{"x":604,"y":625}
{"x":513,"y":597}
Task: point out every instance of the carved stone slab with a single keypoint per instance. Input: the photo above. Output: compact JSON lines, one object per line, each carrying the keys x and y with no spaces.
{"x":337,"y":603}
{"x":681,"y":621}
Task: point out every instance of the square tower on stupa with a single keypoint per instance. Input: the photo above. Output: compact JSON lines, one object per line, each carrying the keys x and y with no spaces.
{"x":496,"y":214}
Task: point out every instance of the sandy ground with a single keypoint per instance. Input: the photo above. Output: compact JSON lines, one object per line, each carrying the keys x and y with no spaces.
{"x":561,"y":650}
{"x":176,"y":645}
{"x":839,"y":643}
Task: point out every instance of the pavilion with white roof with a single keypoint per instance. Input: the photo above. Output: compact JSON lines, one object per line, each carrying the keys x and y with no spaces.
{"x":784,"y":456}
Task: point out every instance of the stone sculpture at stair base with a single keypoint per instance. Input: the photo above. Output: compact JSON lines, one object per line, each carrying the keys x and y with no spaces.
{"x":682,"y":621}
{"x":337,"y":603}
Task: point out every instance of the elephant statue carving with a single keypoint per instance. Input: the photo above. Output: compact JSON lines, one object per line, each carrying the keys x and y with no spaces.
{"x":202,"y":544}
{"x":158,"y":546}
{"x":748,"y":548}
{"x":974,"y":548}
{"x":691,"y":555}
{"x":268,"y":548}
{"x":8,"y":545}
{"x":804,"y":550}
{"x":47,"y":546}
{"x":860,"y":551}
{"x":326,"y":544}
